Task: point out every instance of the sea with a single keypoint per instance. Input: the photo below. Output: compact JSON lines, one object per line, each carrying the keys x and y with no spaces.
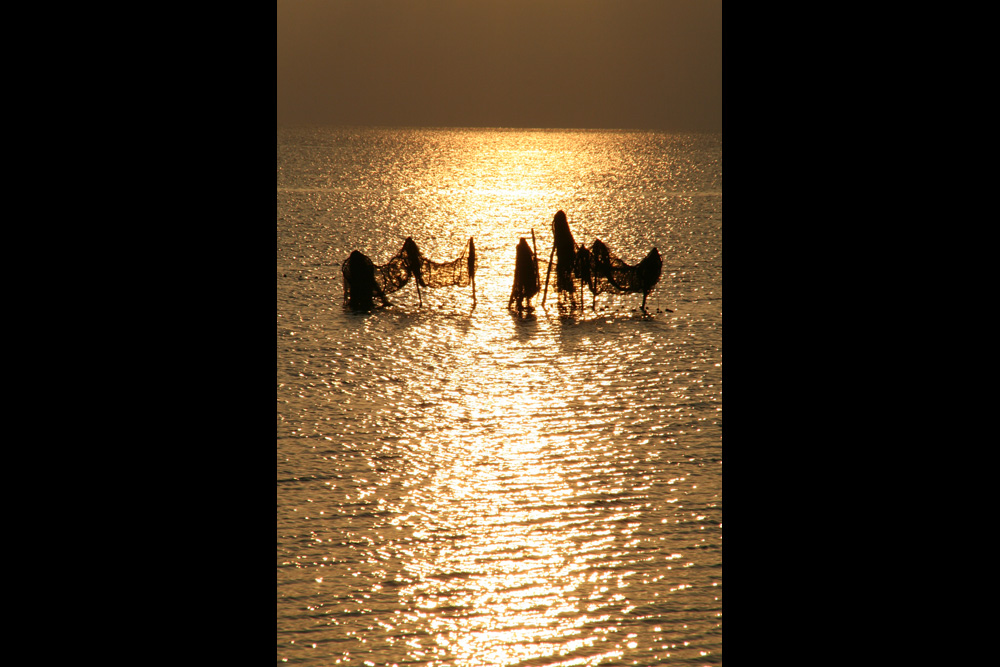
{"x":461,"y":484}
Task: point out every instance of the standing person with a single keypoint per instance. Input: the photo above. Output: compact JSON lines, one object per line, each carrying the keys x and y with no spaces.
{"x":525,"y":277}
{"x":565,"y":248}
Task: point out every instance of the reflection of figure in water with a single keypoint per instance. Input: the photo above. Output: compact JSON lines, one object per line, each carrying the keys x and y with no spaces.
{"x":360,"y":287}
{"x":525,"y":277}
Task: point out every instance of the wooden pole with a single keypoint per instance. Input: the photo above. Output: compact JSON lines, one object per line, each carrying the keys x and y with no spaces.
{"x":534,"y":251}
{"x":546,"y":292}
{"x":513,"y":289}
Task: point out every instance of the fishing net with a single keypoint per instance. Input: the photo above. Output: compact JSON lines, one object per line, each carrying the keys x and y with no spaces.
{"x":459,"y":272}
{"x":597,"y":267}
{"x":360,"y":288}
{"x":608,"y":273}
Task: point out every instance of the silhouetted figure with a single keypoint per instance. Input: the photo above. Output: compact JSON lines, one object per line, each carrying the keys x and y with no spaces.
{"x":525,"y":277}
{"x":394,"y":274}
{"x":565,"y":253}
{"x":649,"y":273}
{"x":414,"y":260}
{"x":360,"y":286}
{"x":601,"y":258}
{"x":564,"y":250}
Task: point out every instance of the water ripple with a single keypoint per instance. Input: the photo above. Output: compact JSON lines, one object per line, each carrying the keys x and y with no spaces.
{"x":466,"y":486}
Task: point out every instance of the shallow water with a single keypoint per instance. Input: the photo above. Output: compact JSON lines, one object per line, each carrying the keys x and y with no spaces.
{"x":461,"y":485}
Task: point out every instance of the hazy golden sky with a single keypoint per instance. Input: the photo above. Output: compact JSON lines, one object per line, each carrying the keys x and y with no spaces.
{"x":648,"y":64}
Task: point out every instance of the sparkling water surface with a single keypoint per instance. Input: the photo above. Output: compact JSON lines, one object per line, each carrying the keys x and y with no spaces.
{"x":462,"y":485}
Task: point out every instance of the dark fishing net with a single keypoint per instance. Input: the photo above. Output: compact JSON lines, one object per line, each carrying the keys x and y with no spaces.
{"x":597,"y":267}
{"x":456,"y":273}
{"x":609,"y":274}
{"x":396,"y":273}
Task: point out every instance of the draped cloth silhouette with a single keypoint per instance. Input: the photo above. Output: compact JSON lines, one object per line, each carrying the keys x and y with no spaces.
{"x":564,"y":250}
{"x":362,"y":284}
{"x":526,"y":281}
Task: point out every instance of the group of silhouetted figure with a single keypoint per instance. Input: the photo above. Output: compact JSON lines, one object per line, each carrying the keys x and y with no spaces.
{"x":596,"y":268}
{"x":364,"y":281}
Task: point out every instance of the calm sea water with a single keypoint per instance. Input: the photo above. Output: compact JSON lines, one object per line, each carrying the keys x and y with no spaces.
{"x":460,"y":486}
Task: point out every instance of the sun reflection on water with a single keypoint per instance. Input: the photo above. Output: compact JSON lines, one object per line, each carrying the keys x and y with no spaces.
{"x":507,"y":561}
{"x":499,"y":488}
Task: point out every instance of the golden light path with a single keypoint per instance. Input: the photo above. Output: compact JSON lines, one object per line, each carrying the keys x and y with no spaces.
{"x":509,"y":561}
{"x":516,"y":580}
{"x":499,"y":489}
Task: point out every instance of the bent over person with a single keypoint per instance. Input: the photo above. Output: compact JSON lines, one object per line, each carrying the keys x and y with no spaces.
{"x":360,"y":286}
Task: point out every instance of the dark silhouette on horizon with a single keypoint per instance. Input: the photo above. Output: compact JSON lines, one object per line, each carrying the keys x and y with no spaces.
{"x":596,"y":267}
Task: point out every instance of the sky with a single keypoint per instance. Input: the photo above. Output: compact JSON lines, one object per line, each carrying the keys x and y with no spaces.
{"x":630,"y":64}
